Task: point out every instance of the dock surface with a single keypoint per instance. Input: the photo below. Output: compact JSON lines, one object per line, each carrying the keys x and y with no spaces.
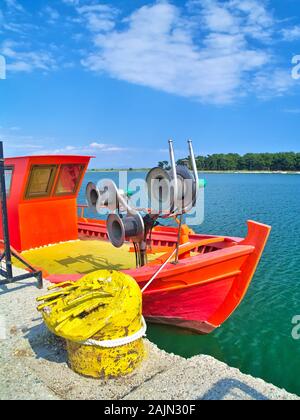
{"x":33,"y":366}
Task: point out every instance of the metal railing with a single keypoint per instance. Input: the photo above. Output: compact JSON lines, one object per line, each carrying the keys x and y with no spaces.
{"x":6,"y":257}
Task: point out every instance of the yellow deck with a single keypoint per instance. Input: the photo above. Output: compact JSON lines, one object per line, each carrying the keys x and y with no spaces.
{"x":81,"y":257}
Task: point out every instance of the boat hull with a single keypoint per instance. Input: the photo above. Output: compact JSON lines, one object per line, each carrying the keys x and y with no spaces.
{"x":200,"y":294}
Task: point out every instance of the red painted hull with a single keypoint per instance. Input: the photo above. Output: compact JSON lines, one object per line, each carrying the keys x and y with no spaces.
{"x":188,"y":308}
{"x":202,"y":291}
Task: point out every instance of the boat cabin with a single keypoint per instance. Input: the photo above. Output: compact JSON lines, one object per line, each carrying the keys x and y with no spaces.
{"x":42,"y":199}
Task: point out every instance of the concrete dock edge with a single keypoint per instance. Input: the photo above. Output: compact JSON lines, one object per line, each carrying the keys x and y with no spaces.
{"x":34,"y":366}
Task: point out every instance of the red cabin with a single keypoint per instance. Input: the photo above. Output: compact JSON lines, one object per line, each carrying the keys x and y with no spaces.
{"x":41,"y":199}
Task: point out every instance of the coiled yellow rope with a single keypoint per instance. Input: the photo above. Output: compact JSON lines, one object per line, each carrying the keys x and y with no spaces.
{"x":104,"y":305}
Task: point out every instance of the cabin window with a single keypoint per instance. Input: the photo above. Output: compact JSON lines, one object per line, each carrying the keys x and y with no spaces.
{"x":69,"y":179}
{"x":8,"y":172}
{"x":41,"y":181}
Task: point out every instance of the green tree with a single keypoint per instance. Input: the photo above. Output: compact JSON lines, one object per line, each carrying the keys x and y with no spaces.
{"x":288,"y":161}
{"x":164,"y":165}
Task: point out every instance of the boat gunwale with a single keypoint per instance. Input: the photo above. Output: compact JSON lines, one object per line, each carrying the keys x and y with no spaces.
{"x":194,"y":263}
{"x":200,"y":283}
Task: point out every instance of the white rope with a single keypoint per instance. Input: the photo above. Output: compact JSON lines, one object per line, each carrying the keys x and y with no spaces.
{"x":117,"y":342}
{"x":159,"y":271}
{"x":163,"y":266}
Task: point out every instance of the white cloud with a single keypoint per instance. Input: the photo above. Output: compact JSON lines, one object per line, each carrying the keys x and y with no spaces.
{"x":22,"y":50}
{"x":16,"y":141}
{"x":7,"y":24}
{"x":216,"y":17}
{"x":98,"y":17}
{"x":71,"y":2}
{"x":51,"y":13}
{"x":29,"y":147}
{"x":106,"y":147}
{"x":158,"y":49}
{"x":91,"y":149}
{"x":20,"y":60}
{"x":295,"y":111}
{"x":257,"y":21}
{"x":95,"y":8}
{"x":14,"y":5}
{"x":214,"y":51}
{"x":275,"y":83}
{"x":97,"y":145}
{"x":249,"y":17}
{"x":291,"y":34}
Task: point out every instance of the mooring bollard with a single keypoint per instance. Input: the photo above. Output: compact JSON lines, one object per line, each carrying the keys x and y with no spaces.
{"x":100,"y":317}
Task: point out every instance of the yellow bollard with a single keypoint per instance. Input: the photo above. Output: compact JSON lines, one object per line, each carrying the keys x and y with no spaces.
{"x":105,"y":363}
{"x":100,"y":316}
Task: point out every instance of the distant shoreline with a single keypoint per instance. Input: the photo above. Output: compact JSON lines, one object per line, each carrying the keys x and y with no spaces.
{"x":204,"y":172}
{"x":120,"y":170}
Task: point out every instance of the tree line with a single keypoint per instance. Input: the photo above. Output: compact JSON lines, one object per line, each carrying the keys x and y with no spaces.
{"x":289,"y":161}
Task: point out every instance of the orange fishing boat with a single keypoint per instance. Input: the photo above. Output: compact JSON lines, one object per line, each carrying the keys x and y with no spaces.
{"x":189,"y":280}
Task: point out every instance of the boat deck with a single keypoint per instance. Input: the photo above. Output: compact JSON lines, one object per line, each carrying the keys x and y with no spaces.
{"x":81,"y":257}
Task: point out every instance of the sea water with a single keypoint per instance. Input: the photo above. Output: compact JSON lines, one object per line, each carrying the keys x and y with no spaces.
{"x":259,"y":338}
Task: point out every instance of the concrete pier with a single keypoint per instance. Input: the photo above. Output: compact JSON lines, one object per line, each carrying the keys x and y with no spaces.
{"x":34,"y":366}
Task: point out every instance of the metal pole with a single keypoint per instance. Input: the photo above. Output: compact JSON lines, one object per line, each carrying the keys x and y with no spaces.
{"x":178,"y":240}
{"x":194,"y":165}
{"x":5,"y":216}
{"x":174,"y":173}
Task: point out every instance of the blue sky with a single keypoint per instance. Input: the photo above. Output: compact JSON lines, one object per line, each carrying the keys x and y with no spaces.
{"x":118,"y":79}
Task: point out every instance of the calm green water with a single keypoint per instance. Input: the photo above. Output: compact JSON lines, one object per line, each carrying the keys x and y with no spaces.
{"x":257,"y":338}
